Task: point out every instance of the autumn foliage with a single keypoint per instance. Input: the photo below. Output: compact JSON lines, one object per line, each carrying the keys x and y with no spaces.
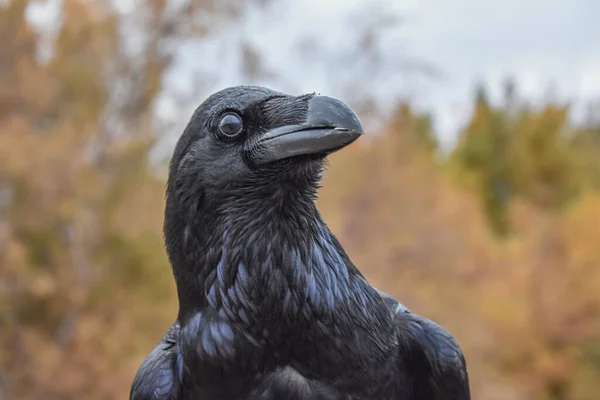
{"x":499,"y":241}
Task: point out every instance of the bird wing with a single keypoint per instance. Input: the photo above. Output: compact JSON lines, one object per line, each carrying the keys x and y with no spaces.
{"x":159,"y":376}
{"x":431,"y":360}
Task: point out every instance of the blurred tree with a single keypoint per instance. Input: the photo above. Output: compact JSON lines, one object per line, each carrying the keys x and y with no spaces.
{"x":82,"y":265}
{"x":546,"y":165}
{"x":585,"y":139}
{"x":486,"y":162}
{"x":419,"y":125}
{"x":85,"y":286}
{"x":513,"y":151}
{"x":545,"y":160}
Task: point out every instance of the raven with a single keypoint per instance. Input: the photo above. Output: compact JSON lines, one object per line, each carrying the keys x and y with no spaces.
{"x":270,"y":304}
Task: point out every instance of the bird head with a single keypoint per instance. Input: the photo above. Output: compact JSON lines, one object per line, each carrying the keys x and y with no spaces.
{"x":245,"y":140}
{"x":248,"y":162}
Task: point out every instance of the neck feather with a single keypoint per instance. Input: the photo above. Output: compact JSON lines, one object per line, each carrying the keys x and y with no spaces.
{"x":266,"y":258}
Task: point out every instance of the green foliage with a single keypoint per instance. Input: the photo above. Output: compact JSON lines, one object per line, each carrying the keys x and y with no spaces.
{"x":484,"y":156}
{"x":514,"y":151}
{"x":419,"y":125}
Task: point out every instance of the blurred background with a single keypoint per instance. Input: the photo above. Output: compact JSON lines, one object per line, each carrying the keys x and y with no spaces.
{"x":474,"y":199}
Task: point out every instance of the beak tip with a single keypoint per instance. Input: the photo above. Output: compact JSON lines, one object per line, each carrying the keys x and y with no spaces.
{"x":325,"y":110}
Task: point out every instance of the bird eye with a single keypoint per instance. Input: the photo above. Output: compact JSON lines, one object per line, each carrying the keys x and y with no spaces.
{"x":230,"y":125}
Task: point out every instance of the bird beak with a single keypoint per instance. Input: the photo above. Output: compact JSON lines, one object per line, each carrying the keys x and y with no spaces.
{"x":330,"y":125}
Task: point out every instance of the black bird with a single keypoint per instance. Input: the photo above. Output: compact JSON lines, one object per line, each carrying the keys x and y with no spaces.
{"x":270,"y":305}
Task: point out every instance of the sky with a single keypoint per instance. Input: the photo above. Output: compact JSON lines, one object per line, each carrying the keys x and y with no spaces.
{"x":433,"y":54}
{"x":547,"y":46}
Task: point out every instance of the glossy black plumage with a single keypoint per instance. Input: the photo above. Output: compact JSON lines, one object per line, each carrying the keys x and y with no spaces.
{"x":271,"y":307}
